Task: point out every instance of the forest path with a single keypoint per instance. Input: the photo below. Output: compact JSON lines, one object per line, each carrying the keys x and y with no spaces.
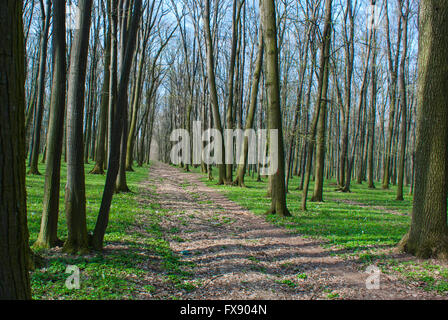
{"x":238,"y":255}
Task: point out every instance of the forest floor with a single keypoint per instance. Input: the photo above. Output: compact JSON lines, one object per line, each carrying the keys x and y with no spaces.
{"x":236,"y":254}
{"x":180,"y":236}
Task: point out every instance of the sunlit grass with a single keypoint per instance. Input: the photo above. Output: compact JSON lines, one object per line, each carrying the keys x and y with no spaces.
{"x":115,"y":273}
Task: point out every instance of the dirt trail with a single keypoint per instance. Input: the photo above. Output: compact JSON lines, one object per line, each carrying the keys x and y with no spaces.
{"x":238,"y":255}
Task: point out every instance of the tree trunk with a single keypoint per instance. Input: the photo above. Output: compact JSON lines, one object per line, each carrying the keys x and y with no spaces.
{"x":114,"y":158}
{"x":40,"y":90}
{"x":14,"y":250}
{"x":269,"y":27}
{"x":428,"y":234}
{"x":100,"y":153}
{"x":372,"y":117}
{"x":48,"y":230}
{"x":322,"y":93}
{"x":75,"y":197}
{"x":251,"y":113}
{"x":213,"y":91}
{"x":403,"y":103}
{"x":392,"y":92}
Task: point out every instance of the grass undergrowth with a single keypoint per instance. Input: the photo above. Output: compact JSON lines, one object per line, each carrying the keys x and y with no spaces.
{"x":116,"y":272}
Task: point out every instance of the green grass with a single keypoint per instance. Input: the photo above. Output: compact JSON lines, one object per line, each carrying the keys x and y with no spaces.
{"x":359,"y":224}
{"x":287,"y":282}
{"x":113,"y":273}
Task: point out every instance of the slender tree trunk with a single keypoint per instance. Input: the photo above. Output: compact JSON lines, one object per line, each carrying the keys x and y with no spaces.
{"x":121,"y":184}
{"x":372,"y":117}
{"x":48,"y":230}
{"x":251,"y":113}
{"x":392,"y":92}
{"x":213,"y":91}
{"x":100,"y":153}
{"x":269,"y":27}
{"x":321,"y":91}
{"x":403,"y":103}
{"x":40,"y":92}
{"x":91,"y":96}
{"x":114,"y":158}
{"x":113,"y":75}
{"x":135,"y":109}
{"x":230,"y":84}
{"x":294,"y":136}
{"x":349,"y":46}
{"x":75,"y":197}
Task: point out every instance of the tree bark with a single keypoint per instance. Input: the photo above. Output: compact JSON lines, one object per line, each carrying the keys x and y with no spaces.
{"x":428,"y":233}
{"x":75,"y":197}
{"x":269,"y":27}
{"x":393,"y":64}
{"x":100,"y":153}
{"x":213,"y":91}
{"x":403,"y":103}
{"x":114,"y":158}
{"x":321,"y":91}
{"x":14,"y":249}
{"x":40,"y":101}
{"x":251,"y":113}
{"x":48,"y":230}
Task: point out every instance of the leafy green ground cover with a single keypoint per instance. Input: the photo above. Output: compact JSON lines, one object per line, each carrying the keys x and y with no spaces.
{"x":116,"y":272}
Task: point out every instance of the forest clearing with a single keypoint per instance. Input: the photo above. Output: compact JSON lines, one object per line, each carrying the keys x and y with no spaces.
{"x":223,"y":150}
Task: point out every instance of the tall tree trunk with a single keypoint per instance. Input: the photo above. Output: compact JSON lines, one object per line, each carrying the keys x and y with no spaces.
{"x":251,"y":112}
{"x":321,"y":91}
{"x":349,"y":45}
{"x":40,"y":101}
{"x":135,"y":109}
{"x":428,"y":233}
{"x":322,"y":122}
{"x":121,"y":184}
{"x":213,"y":91}
{"x":392,"y":92}
{"x":114,"y":158}
{"x":91,"y":104}
{"x":372,"y":117}
{"x":403,"y":103}
{"x":75,"y":197}
{"x":269,"y":27}
{"x":48,"y":230}
{"x":113,"y":76}
{"x":14,"y":276}
{"x":100,"y":153}
{"x":298,"y":111}
{"x":237,"y":4}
